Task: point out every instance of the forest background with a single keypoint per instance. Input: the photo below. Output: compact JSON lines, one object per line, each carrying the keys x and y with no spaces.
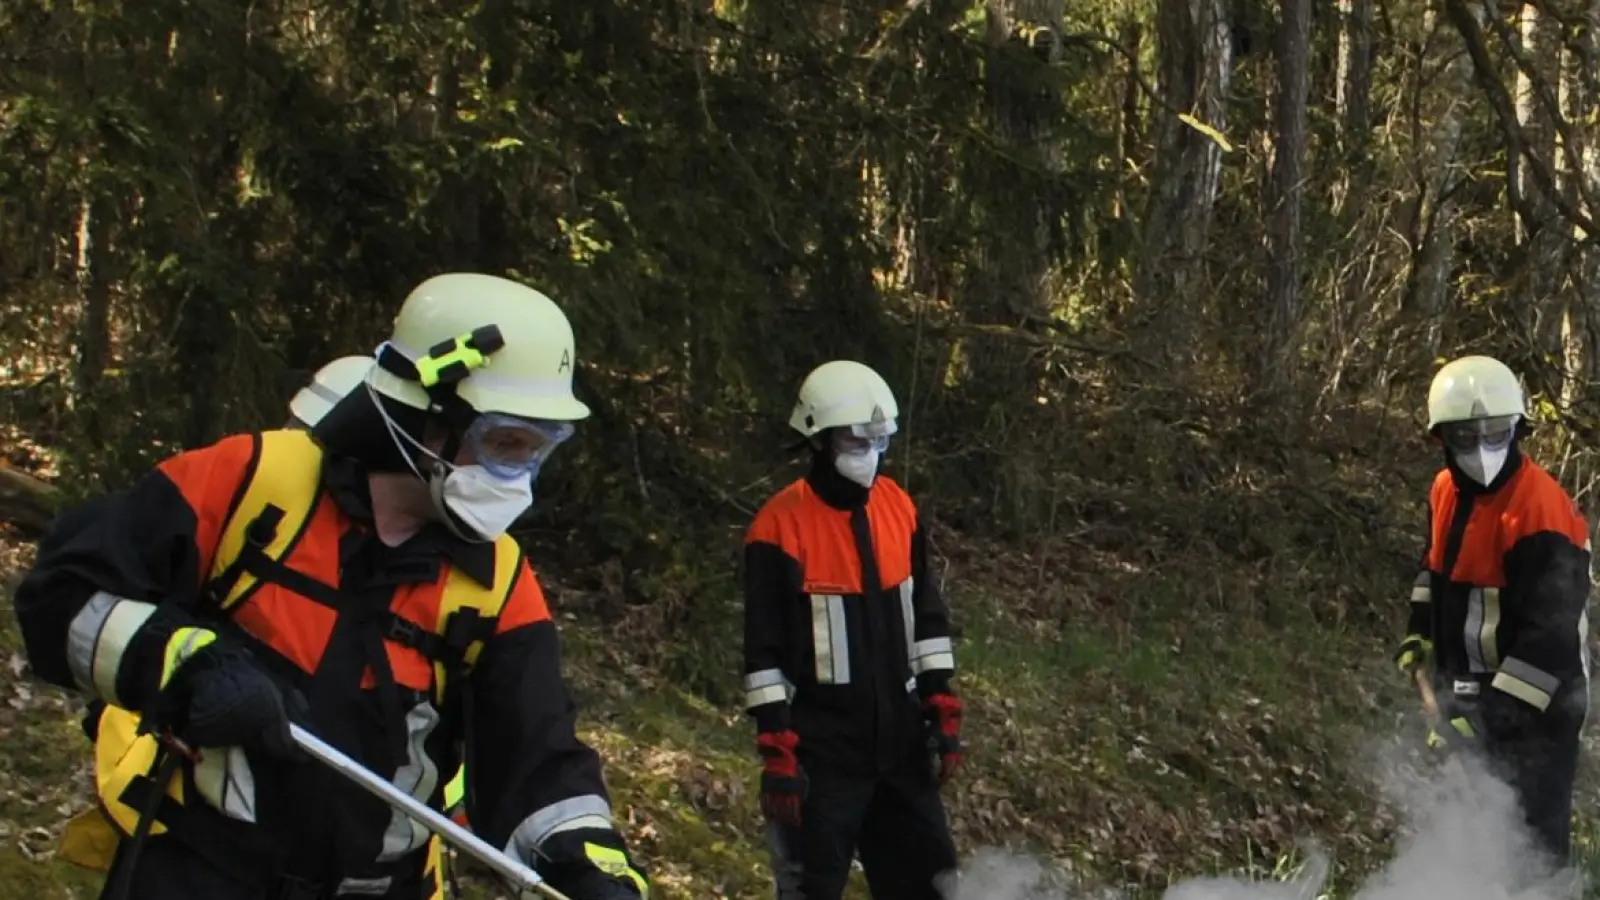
{"x":1160,"y":285}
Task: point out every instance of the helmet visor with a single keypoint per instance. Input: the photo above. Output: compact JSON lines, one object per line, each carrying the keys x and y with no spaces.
{"x":1491,"y":433}
{"x":878,"y":428}
{"x":509,"y":447}
{"x":846,"y":443}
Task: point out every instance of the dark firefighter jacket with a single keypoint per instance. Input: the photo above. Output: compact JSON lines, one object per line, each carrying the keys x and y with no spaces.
{"x":1503,"y":595}
{"x":109,"y":588}
{"x":844,"y":630}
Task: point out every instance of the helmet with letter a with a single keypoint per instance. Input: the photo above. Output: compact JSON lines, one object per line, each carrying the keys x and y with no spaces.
{"x":483,"y":360}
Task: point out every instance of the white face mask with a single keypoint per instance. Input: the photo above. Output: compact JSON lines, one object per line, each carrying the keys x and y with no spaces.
{"x":485,"y":504}
{"x":1484,"y":463}
{"x":860,"y":466}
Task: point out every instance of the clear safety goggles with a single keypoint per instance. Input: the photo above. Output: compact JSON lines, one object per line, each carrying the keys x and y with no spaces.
{"x":509,"y":447}
{"x":859,"y":438}
{"x":1491,"y":433}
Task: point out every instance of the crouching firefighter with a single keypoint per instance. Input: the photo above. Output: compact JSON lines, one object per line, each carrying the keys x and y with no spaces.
{"x":848,"y":660}
{"x":1500,"y":606}
{"x":355,"y":579}
{"x":328,"y":385}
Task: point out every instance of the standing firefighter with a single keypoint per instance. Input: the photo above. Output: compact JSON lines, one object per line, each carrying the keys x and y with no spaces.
{"x":1501,"y":603}
{"x":356,"y":579}
{"x":848,"y":659}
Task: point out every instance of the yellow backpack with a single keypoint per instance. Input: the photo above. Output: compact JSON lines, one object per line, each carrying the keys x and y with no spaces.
{"x":281,"y":492}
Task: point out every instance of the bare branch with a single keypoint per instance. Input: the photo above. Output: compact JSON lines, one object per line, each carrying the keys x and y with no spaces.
{"x":1500,"y":100}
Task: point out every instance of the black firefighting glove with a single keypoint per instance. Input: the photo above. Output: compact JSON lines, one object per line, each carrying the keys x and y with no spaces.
{"x":591,"y":864}
{"x":213,"y":694}
{"x":783,"y":782}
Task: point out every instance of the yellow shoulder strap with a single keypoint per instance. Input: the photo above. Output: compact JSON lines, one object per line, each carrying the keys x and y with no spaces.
{"x":461,"y":591}
{"x":273,"y":509}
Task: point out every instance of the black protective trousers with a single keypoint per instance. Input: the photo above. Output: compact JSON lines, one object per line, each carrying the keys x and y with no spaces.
{"x":1541,"y":765}
{"x":167,"y":869}
{"x":894,"y":820}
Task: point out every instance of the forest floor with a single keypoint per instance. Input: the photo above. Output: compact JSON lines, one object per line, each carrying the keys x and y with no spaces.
{"x":1145,"y":705}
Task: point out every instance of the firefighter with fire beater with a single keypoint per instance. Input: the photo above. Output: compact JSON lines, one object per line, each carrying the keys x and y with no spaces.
{"x":355,"y":579}
{"x":1500,"y":606}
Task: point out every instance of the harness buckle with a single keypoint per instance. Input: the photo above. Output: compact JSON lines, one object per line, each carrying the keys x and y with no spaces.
{"x":406,"y":632}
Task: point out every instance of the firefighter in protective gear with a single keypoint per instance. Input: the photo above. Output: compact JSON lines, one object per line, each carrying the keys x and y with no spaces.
{"x":848,"y":659}
{"x":1500,"y":607}
{"x":327,"y":387}
{"x":356,"y":579}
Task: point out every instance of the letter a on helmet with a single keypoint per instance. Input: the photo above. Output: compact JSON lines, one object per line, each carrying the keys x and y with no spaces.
{"x":496,"y":345}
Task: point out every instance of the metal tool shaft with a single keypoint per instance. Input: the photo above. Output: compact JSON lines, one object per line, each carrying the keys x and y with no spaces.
{"x":512,"y":870}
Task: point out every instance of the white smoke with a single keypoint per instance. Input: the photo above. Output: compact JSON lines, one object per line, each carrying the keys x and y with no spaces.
{"x":1462,"y":838}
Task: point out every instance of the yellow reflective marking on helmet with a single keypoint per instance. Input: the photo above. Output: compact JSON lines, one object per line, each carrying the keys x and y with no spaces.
{"x":468,"y":351}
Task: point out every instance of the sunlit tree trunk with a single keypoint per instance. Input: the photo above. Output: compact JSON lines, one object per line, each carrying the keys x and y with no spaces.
{"x":1444,"y":103}
{"x":1194,"y":73}
{"x":1541,"y":235}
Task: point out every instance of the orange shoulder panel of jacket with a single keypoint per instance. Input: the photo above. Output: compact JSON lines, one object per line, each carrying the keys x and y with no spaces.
{"x":1442,"y":482}
{"x":210,"y":479}
{"x":767,"y":526}
{"x":1542,"y":505}
{"x":526,"y":605}
{"x":895,"y":492}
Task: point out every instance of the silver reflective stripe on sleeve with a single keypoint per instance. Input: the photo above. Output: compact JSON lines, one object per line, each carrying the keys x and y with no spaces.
{"x":96,"y":639}
{"x":1422,"y":588}
{"x":933,"y":655}
{"x":1481,"y":630}
{"x":586,"y":811}
{"x":766,"y":686}
{"x":908,"y":615}
{"x":417,"y":776}
{"x":1530,"y":684}
{"x":364,"y":887}
{"x":830,"y":640}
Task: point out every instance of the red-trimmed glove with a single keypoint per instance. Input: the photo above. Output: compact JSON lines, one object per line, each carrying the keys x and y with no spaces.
{"x":783,"y":785}
{"x":943,"y":715}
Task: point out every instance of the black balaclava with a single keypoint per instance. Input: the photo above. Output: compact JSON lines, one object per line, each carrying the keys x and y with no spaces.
{"x":354,"y":428}
{"x":834,"y":489}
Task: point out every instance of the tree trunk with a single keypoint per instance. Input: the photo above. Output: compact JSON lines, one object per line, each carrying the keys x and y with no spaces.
{"x":1433,"y":226}
{"x":94,"y":323}
{"x":1284,"y":191}
{"x":1353,"y":84}
{"x":1540,"y":234}
{"x":1195,"y":70}
{"x":1580,"y":323}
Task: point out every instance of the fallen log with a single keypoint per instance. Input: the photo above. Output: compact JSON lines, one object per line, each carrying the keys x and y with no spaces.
{"x":26,"y":503}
